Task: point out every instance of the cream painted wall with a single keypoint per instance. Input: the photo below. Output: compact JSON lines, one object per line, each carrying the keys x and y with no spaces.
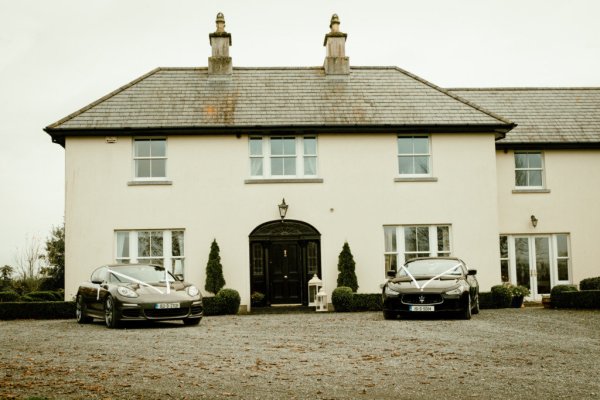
{"x":209,"y":199}
{"x":572,"y":206}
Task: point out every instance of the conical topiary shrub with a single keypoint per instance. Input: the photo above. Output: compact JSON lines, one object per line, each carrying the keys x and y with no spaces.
{"x":214,"y":270}
{"x":346,"y":264}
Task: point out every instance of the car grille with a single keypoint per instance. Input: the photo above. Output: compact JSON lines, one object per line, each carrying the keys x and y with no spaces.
{"x":131,"y":312}
{"x":167,"y":312}
{"x":422,"y":298}
{"x":196,"y":309}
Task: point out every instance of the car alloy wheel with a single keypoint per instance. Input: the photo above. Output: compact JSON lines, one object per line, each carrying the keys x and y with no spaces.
{"x":110,"y":313}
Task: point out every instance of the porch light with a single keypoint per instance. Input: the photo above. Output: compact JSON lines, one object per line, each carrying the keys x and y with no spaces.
{"x":282,"y":209}
{"x":314,"y":286}
{"x":534,"y":221}
{"x":321,"y":301}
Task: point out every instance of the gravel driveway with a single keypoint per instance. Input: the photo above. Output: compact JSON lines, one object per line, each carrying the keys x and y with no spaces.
{"x":499,"y":354}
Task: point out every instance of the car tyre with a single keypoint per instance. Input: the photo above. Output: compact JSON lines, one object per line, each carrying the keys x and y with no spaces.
{"x":80,"y":315}
{"x":191,"y":321}
{"x":466,"y":313}
{"x":111,"y":317}
{"x":476,"y":308}
{"x":389,"y":315}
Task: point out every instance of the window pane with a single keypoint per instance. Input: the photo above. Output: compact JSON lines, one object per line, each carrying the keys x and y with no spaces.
{"x":421,"y":145}
{"x":423,"y":238}
{"x":410,"y":238}
{"x":256,"y":146}
{"x":521,"y":178}
{"x":422,"y":165}
{"x":561,"y":244}
{"x":310,"y":146}
{"x":256,"y":166}
{"x":521,"y":160}
{"x":257,"y":259}
{"x":276,"y":146}
{"x":142,"y":168}
{"x":405,"y":145}
{"x":522,"y":261}
{"x":156,"y":244}
{"x":310,"y":165}
{"x":535,"y":178}
{"x":158,"y":168}
{"x":178,"y":267}
{"x":289,"y":166}
{"x":142,"y":148}
{"x":122,"y":244}
{"x":443,"y":238}
{"x":289,"y":146}
{"x":276,"y":166}
{"x":177,"y":243}
{"x":504,"y":271}
{"x":143,"y":244}
{"x":503,"y":246}
{"x":158,"y":148}
{"x":405,"y":165}
{"x":390,"y":238}
{"x":391,"y":263}
{"x":535,"y":160}
{"x":563,"y":270}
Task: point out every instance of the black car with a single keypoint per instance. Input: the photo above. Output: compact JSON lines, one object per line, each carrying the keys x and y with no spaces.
{"x":123,"y":292}
{"x":431,"y":285}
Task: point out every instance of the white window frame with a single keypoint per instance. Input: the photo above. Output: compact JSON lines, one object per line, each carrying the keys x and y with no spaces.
{"x":169,"y":261}
{"x":265,"y":157}
{"x":553,"y":254}
{"x":136,"y":158}
{"x":529,"y":169}
{"x":399,"y":249}
{"x":413,"y":155}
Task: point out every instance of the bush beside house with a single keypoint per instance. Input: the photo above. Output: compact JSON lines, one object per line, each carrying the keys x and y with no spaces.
{"x":346,"y":268}
{"x":214,"y":270}
{"x":225,"y":302}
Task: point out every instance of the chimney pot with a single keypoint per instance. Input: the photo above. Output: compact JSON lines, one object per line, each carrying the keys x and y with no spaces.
{"x":220,"y":62}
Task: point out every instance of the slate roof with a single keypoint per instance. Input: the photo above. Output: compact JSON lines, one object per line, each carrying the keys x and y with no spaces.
{"x":543,"y":115}
{"x":180,"y":98}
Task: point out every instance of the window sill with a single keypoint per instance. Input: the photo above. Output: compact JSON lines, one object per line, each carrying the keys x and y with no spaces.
{"x":417,"y":179}
{"x":149,"y":183}
{"x":284,"y":180}
{"x":518,"y":191}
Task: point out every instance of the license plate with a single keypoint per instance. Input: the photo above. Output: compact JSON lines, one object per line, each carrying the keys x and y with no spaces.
{"x":422,"y":308}
{"x":166,"y":305}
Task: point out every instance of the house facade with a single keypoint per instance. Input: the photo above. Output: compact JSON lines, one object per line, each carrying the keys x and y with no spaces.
{"x":373,"y":156}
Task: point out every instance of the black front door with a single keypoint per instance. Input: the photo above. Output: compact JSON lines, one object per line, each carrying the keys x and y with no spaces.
{"x":285,"y":273}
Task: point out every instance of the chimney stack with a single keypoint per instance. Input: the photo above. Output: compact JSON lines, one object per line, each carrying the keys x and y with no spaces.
{"x":336,"y":62}
{"x":220,"y":62}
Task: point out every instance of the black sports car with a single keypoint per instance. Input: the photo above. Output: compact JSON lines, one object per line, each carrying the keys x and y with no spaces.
{"x":137,"y":292}
{"x":431,"y":285}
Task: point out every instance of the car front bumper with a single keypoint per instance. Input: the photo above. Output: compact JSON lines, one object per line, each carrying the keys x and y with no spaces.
{"x":402,"y":303}
{"x":148,"y":311}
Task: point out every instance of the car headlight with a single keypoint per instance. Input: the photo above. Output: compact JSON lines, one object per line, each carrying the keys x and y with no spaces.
{"x":192,"y":291}
{"x":390,"y":292}
{"x":455,"y":291}
{"x":126,"y":292}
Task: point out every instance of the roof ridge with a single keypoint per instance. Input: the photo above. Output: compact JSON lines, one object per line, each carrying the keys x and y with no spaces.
{"x":526,"y":88}
{"x":102,"y":99}
{"x":455,"y":97}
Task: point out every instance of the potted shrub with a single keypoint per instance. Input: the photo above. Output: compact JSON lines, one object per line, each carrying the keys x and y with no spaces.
{"x":518,"y":292}
{"x":257,"y":299}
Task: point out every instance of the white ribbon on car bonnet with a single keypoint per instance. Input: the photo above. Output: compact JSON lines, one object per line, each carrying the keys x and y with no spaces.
{"x":429,"y":281}
{"x":110,"y":271}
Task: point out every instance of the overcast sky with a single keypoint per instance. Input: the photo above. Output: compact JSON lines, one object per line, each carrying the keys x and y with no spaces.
{"x":58,"y":56}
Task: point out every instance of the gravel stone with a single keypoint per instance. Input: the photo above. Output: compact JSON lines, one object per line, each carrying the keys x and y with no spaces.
{"x":499,"y":354}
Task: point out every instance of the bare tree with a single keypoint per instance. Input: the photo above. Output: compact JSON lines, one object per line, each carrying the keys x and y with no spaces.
{"x":27,"y":259}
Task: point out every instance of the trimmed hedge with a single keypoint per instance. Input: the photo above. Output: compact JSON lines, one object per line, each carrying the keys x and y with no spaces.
{"x":37,"y":310}
{"x":9,"y":297}
{"x":227,"y":301}
{"x":590,"y":284}
{"x":562,"y":288}
{"x":486,"y":300}
{"x":341,"y":298}
{"x":587,"y":299}
{"x":366,"y":302}
{"x":45,"y":295}
{"x":501,"y":296}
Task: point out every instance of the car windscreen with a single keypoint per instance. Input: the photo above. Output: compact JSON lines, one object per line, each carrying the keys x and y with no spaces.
{"x":144,"y":273}
{"x":432,"y":268}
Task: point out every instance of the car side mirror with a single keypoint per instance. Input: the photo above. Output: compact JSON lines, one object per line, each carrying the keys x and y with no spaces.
{"x":472,"y":272}
{"x":391,"y":274}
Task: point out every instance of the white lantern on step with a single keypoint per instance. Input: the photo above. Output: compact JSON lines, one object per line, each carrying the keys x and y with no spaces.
{"x":314,"y":285}
{"x":321,"y":301}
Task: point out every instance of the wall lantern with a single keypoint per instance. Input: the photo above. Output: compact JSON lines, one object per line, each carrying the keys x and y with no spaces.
{"x":534,"y":221}
{"x":314,"y":286}
{"x":282,"y":209}
{"x":321,"y":301}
